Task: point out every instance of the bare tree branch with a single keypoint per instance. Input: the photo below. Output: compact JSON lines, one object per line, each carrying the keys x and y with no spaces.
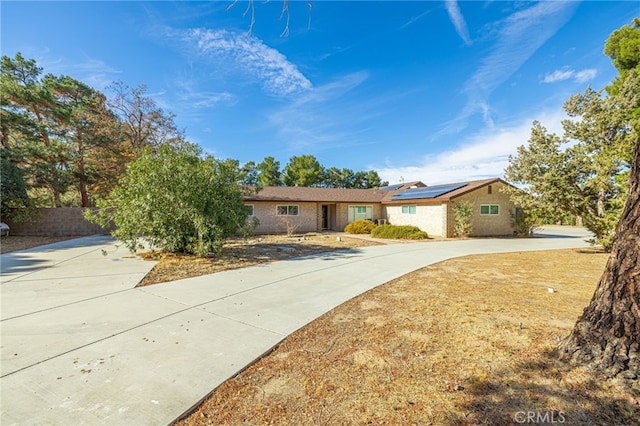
{"x":284,"y":13}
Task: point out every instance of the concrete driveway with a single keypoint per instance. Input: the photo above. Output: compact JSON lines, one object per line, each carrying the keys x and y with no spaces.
{"x":81,"y":345}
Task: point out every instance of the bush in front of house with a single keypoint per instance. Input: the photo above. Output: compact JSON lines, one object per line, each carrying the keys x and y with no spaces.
{"x":177,"y":200}
{"x":462,"y":213}
{"x":360,"y":227}
{"x":400,"y":232}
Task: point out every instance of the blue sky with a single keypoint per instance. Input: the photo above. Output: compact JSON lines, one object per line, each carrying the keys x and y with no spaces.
{"x":438,"y":91}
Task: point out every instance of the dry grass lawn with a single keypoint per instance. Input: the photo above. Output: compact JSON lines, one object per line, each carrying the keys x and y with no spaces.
{"x":239,"y":253}
{"x":466,"y":341}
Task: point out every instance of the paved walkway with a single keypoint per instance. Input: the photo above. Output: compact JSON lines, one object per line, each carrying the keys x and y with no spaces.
{"x":81,"y":345}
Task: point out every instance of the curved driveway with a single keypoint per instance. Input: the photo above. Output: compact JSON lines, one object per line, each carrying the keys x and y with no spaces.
{"x":81,"y":345}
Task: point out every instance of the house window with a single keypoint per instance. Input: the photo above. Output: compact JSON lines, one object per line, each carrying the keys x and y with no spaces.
{"x":489,"y":189}
{"x":249,"y":209}
{"x":489,"y":209}
{"x":287,"y":210}
{"x":408,"y":209}
{"x":360,"y":213}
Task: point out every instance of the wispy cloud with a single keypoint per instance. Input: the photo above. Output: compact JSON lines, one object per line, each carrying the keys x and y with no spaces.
{"x":566,"y":74}
{"x":278,"y":76}
{"x":519,"y":36}
{"x":586,"y":75}
{"x":318,"y":117}
{"x":558,"y":75}
{"x":483,"y":155}
{"x":192,"y":93}
{"x":94,"y":72}
{"x":414,"y":19}
{"x":458,"y":20}
{"x":208,"y":100}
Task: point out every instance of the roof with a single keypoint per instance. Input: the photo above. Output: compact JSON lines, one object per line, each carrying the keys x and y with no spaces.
{"x":311,"y":194}
{"x":392,"y":194}
{"x":440,"y":193}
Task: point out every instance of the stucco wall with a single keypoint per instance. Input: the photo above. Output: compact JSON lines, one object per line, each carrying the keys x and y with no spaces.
{"x":429,"y":218}
{"x":64,"y":221}
{"x":486,"y":225}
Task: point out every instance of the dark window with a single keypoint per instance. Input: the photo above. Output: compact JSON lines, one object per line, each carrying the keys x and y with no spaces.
{"x":287,"y":210}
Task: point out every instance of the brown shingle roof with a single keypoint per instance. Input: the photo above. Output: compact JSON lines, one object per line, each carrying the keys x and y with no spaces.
{"x":343,"y":195}
{"x":323,"y":195}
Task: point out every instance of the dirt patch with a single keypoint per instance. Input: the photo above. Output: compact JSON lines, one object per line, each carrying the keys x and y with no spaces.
{"x":16,"y":242}
{"x":439,"y":346}
{"x":240,"y":253}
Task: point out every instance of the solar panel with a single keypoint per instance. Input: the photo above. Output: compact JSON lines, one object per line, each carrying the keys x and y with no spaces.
{"x":428,"y":192}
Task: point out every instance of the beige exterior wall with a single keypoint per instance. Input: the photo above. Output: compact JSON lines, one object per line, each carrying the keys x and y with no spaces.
{"x":486,"y":225}
{"x":435,"y":219}
{"x":309,"y":217}
{"x":429,"y":218}
{"x":342,"y":216}
{"x":342,"y":213}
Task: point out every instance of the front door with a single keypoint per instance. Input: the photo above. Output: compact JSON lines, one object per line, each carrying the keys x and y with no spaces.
{"x":325,"y":217}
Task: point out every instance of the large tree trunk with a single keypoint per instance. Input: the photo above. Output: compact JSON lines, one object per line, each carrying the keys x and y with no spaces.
{"x":82,"y":189}
{"x":82,"y":176}
{"x":607,"y":335}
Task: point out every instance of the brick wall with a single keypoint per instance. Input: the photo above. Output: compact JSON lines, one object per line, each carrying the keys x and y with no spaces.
{"x":309,"y":217}
{"x":66,"y":221}
{"x":271,"y":223}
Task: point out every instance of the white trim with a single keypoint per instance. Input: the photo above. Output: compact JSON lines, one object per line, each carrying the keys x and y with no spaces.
{"x":288,"y":206}
{"x":408,"y":206}
{"x":490,"y":209}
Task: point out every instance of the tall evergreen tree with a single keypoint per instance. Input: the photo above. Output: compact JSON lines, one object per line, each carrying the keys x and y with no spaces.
{"x":269,"y":173}
{"x":303,"y":170}
{"x":249,"y":173}
{"x":28,"y":124}
{"x":86,"y":127}
{"x":338,"y":178}
{"x":607,"y":334}
{"x":14,"y":201}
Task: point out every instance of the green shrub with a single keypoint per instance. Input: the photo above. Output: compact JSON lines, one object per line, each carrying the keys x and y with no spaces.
{"x":462,"y":213}
{"x":401,"y":232}
{"x":360,"y":227}
{"x":177,"y":199}
{"x":523,"y":222}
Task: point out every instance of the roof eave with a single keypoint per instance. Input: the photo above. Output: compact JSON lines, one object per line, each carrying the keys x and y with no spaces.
{"x":468,"y":190}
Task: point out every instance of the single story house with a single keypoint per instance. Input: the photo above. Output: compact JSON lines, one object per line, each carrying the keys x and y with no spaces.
{"x":431,"y":208}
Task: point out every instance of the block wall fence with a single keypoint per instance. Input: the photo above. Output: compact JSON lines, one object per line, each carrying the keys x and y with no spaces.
{"x":58,"y":222}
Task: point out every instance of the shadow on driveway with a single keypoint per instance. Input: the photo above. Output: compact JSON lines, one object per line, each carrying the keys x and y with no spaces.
{"x":38,"y":258}
{"x":562,"y":232}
